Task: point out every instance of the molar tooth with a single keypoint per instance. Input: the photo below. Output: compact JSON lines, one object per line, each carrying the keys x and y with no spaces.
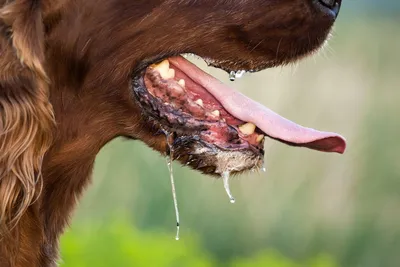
{"x":260,"y":137}
{"x":181,"y":82}
{"x":247,"y":128}
{"x":216,"y":113}
{"x":199,"y":102}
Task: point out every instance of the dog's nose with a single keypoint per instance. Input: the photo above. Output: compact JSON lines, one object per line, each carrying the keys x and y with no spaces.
{"x":332,"y":5}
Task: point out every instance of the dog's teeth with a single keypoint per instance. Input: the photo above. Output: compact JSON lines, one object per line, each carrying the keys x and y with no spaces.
{"x":163,"y":64}
{"x":199,"y":102}
{"x":247,"y":128}
{"x":162,"y":68}
{"x":260,"y":137}
{"x":181,"y":82}
{"x":216,"y":113}
{"x":171,"y":74}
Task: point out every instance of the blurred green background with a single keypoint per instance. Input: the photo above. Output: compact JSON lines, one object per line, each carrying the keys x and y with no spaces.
{"x":308,"y":210}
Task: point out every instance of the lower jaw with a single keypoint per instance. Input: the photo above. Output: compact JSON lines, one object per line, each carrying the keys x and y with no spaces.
{"x":211,"y":159}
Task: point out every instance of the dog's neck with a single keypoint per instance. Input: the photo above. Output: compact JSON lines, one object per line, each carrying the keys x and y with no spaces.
{"x":67,"y":169}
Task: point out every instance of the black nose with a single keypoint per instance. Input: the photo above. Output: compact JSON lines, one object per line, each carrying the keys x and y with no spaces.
{"x":332,"y":5}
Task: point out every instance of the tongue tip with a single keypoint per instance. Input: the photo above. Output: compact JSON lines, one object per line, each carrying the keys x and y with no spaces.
{"x":341,"y":146}
{"x":334,"y":144}
{"x":339,"y":149}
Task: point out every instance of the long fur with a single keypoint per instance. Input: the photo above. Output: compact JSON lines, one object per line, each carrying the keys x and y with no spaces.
{"x":26,"y":114}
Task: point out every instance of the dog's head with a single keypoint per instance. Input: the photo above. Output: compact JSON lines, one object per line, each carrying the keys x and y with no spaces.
{"x":210,"y":127}
{"x":115,"y":68}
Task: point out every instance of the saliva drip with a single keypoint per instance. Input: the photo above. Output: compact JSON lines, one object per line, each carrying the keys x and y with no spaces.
{"x":236,"y":74}
{"x":225,"y":177}
{"x":232,"y":76}
{"x":169,"y":158}
{"x":239,"y":74}
{"x":263,"y":167}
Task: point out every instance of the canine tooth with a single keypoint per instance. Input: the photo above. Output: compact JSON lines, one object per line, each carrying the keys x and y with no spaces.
{"x":181,"y":82}
{"x":260,"y":137}
{"x":199,"y":102}
{"x":163,"y":64}
{"x":216,"y":113}
{"x":247,"y":128}
{"x":162,"y":68}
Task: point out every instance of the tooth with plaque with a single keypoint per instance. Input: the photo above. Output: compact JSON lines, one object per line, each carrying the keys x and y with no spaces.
{"x":216,"y":113}
{"x":260,"y":137}
{"x":247,"y":128}
{"x":181,"y":82}
{"x":199,"y":102}
{"x":170,"y":75}
{"x":164,"y":70}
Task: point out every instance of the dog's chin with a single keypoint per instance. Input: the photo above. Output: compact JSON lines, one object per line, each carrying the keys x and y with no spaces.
{"x":210,"y":126}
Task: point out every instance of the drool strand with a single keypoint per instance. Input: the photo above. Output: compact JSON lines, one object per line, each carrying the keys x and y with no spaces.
{"x":169,"y":158}
{"x":263,"y":166}
{"x":225,"y":177}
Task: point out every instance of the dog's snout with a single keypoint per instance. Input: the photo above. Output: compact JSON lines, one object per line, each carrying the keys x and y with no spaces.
{"x":331,"y":6}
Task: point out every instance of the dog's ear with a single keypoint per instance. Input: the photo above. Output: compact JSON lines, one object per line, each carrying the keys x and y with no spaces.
{"x":26,"y":115}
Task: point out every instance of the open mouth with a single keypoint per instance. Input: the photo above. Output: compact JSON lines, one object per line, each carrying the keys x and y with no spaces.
{"x":215,"y":128}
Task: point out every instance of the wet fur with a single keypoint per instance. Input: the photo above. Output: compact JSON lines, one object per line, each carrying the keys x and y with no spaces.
{"x":65,"y":75}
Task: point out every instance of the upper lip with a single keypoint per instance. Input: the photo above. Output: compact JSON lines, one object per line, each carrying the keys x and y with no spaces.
{"x":219,"y":64}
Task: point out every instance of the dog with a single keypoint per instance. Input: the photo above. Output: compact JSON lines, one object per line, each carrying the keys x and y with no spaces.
{"x":75,"y":74}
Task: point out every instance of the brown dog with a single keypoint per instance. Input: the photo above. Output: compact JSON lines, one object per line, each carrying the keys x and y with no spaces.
{"x":74,"y":74}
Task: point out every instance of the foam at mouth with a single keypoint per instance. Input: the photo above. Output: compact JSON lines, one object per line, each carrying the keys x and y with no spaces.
{"x":186,"y":87}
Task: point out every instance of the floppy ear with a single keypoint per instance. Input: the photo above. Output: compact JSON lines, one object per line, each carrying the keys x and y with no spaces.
{"x":26,"y":115}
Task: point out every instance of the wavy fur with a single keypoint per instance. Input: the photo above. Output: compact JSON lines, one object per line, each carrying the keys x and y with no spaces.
{"x":26,"y":119}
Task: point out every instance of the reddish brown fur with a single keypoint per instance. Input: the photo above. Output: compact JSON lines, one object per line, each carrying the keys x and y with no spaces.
{"x":74,"y":59}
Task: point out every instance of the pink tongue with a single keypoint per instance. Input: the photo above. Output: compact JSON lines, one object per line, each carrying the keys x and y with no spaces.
{"x":269,"y":122}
